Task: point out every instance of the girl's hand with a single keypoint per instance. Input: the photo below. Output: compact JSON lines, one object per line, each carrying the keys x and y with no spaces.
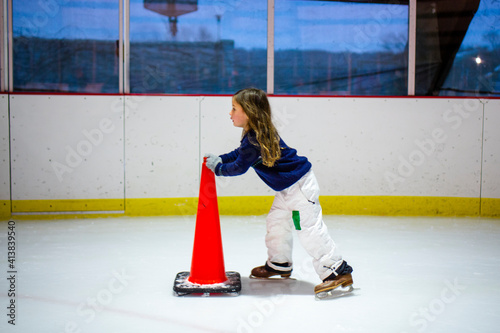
{"x":212,"y":161}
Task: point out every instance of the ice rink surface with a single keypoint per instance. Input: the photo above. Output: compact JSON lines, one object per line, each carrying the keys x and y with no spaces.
{"x":116,"y":275}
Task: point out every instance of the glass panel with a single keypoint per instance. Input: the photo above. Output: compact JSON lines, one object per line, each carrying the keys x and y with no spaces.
{"x":66,"y":46}
{"x":340,"y":48}
{"x":476,"y":69}
{"x":195,"y":47}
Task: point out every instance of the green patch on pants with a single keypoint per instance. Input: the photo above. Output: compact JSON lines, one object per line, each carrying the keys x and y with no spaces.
{"x":296,"y":219}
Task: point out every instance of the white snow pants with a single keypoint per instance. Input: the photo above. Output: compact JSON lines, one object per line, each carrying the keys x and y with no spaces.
{"x":299,"y":204}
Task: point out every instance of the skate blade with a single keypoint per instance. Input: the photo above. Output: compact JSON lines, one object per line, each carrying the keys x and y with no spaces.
{"x":271,"y":278}
{"x":336,"y":293}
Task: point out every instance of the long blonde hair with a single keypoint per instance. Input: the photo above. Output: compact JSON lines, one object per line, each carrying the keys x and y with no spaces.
{"x":255,"y":104}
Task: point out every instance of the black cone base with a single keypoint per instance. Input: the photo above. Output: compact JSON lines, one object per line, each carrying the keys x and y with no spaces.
{"x":183,"y":287}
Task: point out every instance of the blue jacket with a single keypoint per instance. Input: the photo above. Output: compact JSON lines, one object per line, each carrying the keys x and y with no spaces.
{"x":285,"y":172}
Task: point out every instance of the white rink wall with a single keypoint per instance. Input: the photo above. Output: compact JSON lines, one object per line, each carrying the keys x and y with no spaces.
{"x":138,"y":147}
{"x":398,"y":146}
{"x":491,"y":150}
{"x":4,"y":151}
{"x":162,"y":146}
{"x":66,"y":147}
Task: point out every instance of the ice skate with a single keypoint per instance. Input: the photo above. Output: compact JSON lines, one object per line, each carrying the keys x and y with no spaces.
{"x":267,"y":273}
{"x":338,"y":284}
{"x":341,"y":285}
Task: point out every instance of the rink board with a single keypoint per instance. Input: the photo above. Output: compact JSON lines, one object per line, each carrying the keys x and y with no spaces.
{"x":490,"y":193}
{"x":388,"y":156}
{"x":65,"y":152}
{"x":4,"y":157}
{"x":162,"y":146}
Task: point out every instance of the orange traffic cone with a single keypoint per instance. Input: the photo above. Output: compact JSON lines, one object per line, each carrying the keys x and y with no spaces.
{"x":208,"y":273}
{"x":207,"y":264}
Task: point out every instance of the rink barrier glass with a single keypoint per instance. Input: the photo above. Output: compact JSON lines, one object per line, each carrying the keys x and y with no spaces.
{"x":254,"y":205}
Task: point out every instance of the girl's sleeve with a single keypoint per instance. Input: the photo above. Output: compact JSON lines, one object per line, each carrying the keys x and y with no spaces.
{"x":246,"y":155}
{"x":229,"y":157}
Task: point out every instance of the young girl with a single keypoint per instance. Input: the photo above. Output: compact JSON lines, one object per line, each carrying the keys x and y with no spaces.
{"x":296,"y":197}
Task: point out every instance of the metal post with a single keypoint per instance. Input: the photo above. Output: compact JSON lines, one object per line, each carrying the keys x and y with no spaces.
{"x":123,"y":45}
{"x":126,"y":47}
{"x":412,"y":37}
{"x":6,"y":63}
{"x":3,"y":38}
{"x":270,"y":46}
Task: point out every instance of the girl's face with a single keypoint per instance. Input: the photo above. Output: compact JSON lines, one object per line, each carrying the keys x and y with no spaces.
{"x":238,"y":116}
